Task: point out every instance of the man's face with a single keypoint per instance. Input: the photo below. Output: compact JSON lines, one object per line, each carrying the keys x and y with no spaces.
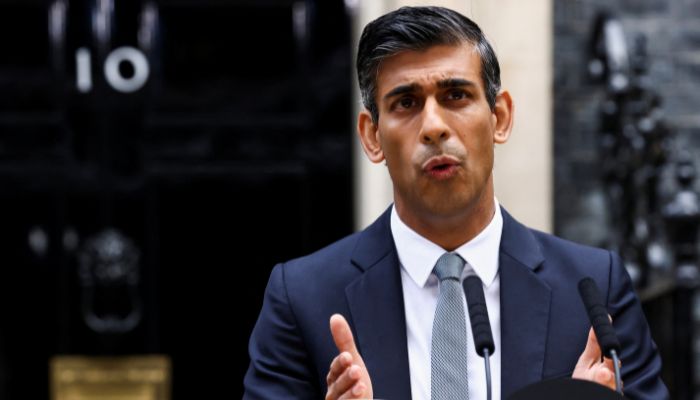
{"x":436,"y":130}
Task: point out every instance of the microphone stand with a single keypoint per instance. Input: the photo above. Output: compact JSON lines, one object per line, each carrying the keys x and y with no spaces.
{"x":481,"y":327}
{"x":487,"y":365}
{"x":600,"y":320}
{"x":618,"y":377}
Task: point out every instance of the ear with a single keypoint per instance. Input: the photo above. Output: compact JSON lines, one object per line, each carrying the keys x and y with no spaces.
{"x":369,"y":137}
{"x":503,"y":112}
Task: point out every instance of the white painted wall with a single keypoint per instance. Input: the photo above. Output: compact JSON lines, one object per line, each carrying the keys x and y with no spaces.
{"x":521,"y":33}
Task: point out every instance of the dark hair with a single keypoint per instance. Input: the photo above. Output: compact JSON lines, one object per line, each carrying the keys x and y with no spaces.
{"x":418,"y":28}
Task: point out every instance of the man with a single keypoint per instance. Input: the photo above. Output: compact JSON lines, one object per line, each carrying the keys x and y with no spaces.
{"x":434,"y":111}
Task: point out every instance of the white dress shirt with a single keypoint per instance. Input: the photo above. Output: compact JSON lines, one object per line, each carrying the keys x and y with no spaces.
{"x":418,"y":256}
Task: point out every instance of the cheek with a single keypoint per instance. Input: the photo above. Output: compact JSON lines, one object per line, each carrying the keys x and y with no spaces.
{"x":396,"y":156}
{"x":392,"y":149}
{"x":398,"y":145}
{"x":478,"y":143}
{"x":479,"y":135}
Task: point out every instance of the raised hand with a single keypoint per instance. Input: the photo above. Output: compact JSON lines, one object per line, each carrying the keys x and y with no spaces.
{"x":348,"y":377}
{"x":591,"y":366}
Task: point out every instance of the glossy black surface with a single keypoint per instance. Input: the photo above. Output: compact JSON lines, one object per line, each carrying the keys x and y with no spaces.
{"x":234,"y":155}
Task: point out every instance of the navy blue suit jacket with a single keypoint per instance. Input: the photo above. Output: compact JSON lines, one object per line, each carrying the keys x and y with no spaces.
{"x":544,"y":326}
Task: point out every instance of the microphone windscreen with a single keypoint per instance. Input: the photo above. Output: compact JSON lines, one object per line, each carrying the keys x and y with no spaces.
{"x":478,"y":315}
{"x":598,"y":315}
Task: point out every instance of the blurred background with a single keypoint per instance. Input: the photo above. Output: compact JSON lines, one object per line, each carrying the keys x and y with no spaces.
{"x":158,"y":158}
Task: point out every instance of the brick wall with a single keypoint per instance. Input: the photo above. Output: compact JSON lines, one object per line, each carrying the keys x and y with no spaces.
{"x":672,"y":28}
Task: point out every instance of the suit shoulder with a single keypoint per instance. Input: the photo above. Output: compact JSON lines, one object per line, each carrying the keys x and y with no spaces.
{"x":341,"y":248}
{"x":570,"y":253}
{"x":330,"y":259}
{"x":552,"y":242}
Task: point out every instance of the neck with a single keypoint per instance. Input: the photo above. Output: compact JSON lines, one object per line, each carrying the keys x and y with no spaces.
{"x":453,"y":230}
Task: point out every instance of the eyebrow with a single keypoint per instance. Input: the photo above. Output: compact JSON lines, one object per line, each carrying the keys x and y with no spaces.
{"x":454,"y":82}
{"x":403,"y":89}
{"x":442,"y":84}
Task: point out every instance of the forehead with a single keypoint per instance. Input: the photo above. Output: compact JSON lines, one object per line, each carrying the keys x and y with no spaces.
{"x":426,"y":68}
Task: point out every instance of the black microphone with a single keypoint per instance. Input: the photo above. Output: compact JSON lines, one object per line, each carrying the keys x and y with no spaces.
{"x":481,"y":328}
{"x":598,"y":315}
{"x":478,"y":315}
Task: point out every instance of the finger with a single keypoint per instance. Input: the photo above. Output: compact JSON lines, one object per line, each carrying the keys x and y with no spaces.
{"x":591,"y":354}
{"x":358,"y":391}
{"x":338,"y":365}
{"x":342,"y":386}
{"x":608,"y":363}
{"x":342,"y":335}
{"x":605,"y":377}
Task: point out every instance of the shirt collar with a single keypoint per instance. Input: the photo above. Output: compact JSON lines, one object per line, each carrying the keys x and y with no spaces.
{"x":418,"y":255}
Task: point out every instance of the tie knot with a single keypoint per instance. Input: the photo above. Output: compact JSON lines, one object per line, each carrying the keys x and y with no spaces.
{"x":449,"y":266}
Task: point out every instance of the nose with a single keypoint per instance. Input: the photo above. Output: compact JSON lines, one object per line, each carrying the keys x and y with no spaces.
{"x":434,"y":129}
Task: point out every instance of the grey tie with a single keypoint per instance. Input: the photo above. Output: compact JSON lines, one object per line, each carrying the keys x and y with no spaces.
{"x":448,"y":358}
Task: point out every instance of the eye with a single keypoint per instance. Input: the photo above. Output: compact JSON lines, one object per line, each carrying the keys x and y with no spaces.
{"x":406,"y":102}
{"x":457,"y":94}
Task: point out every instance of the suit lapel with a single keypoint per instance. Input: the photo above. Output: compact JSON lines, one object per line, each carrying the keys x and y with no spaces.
{"x":525,"y":303}
{"x":376,"y":306}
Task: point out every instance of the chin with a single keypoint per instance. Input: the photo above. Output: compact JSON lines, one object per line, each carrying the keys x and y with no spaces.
{"x":451,"y":203}
{"x":446,"y":209}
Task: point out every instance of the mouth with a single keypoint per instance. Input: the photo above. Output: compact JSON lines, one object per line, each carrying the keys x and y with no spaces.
{"x":441,"y":167}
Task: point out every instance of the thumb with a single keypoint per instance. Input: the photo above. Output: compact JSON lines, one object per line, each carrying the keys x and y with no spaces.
{"x":342,"y":335}
{"x":591,"y":354}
